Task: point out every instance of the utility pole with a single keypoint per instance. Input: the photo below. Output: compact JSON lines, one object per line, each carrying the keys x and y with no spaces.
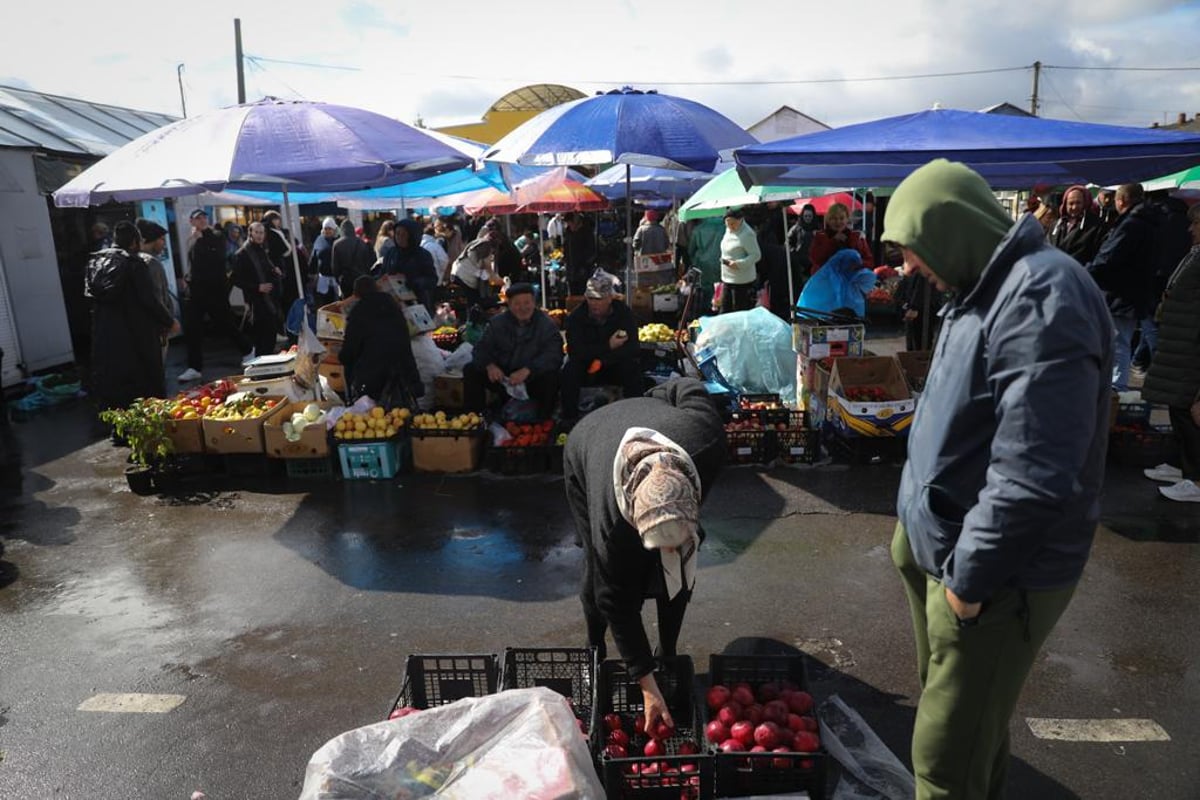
{"x":1033,"y":100}
{"x":241,"y":73}
{"x":182,"y":99}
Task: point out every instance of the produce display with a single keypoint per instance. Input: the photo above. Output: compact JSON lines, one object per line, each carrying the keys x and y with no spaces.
{"x":312,"y":414}
{"x":759,"y":405}
{"x":626,"y":736}
{"x":880,"y":296}
{"x":665,"y":288}
{"x":193,"y":403}
{"x":240,"y":407}
{"x":536,"y":434}
{"x":775,"y":718}
{"x":867,"y":394}
{"x":377,"y":423}
{"x":440,"y":421}
{"x":656,"y":332}
{"x":446,"y":336}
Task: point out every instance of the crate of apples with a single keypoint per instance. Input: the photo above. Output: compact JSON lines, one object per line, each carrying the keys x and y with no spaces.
{"x":378,"y":423}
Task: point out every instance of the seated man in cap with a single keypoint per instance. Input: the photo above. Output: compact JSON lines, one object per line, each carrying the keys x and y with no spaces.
{"x":520,"y":347}
{"x":636,"y":472}
{"x":602,"y":345}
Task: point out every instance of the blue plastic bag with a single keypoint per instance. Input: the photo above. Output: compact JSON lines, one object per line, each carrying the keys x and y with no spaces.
{"x":843,"y":282}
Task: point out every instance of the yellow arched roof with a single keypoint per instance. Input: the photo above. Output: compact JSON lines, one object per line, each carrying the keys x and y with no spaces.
{"x":512,"y":109}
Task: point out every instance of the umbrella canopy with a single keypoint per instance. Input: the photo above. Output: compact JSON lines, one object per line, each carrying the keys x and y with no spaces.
{"x":1009,"y":152}
{"x":821,"y":204}
{"x":649,"y":184}
{"x":567,"y":196}
{"x":1184,"y":179}
{"x":625,"y":126}
{"x":726,"y":191}
{"x":272,"y":143}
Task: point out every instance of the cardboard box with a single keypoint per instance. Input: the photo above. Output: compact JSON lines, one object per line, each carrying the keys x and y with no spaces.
{"x":823,"y":341}
{"x":238,"y":436}
{"x":666,"y":303}
{"x":641,"y":300}
{"x":915,"y":366}
{"x":186,"y":435}
{"x":335,"y":374}
{"x":333,"y":348}
{"x":436,"y":453}
{"x":448,"y":391}
{"x":855,"y":418}
{"x":331,"y":319}
{"x":313,"y":442}
{"x":813,"y":380}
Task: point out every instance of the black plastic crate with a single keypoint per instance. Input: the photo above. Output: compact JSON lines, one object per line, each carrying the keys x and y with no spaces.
{"x":628,"y":778}
{"x":749,"y":447}
{"x":1143,"y":447}
{"x":437,"y":680}
{"x":310,"y":468}
{"x":517,"y":460}
{"x":570,"y":671}
{"x":866,"y":449}
{"x":747,"y":774}
{"x":797,"y":446}
{"x":781,"y":415}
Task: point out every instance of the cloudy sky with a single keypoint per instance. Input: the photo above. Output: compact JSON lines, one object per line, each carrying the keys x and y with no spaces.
{"x":447,"y":62}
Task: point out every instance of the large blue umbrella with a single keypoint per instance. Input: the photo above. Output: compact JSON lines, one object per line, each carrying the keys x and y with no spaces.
{"x":1010,"y":152}
{"x":648,"y":184}
{"x":623,"y":126}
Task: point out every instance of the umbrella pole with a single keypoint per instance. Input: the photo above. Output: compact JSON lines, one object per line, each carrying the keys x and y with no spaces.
{"x":788,"y":254}
{"x":542,"y":261}
{"x":287,"y":212}
{"x":628,"y":233}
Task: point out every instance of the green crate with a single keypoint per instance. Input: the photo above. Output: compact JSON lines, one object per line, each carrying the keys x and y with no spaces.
{"x":372,"y":460}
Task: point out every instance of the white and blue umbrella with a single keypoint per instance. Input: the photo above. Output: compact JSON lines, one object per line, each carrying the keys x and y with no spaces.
{"x":623,"y":126}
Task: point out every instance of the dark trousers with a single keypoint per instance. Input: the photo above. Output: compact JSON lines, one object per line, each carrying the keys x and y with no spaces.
{"x":212,"y":303}
{"x":264,"y":328}
{"x":738,"y":297}
{"x":670,"y":615}
{"x":543,"y":390}
{"x":1189,"y":441}
{"x":626,"y":373}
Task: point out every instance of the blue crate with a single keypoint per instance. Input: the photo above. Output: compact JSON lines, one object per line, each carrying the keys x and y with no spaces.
{"x":372,"y":460}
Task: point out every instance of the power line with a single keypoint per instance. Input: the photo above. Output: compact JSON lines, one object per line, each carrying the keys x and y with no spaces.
{"x":256,"y":62}
{"x":809,"y":81}
{"x":303,"y":63}
{"x":1127,"y":69}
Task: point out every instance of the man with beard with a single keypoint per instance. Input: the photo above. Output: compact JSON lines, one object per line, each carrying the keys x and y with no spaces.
{"x":1078,"y":232}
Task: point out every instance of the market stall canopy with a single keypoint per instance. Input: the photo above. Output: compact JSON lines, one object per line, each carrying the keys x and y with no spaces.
{"x":726,"y":191}
{"x":624,"y":126}
{"x":558,"y":190}
{"x":822,"y":203}
{"x":1187,"y":179}
{"x":265,"y":145}
{"x":1009,"y":152}
{"x":649,"y":184}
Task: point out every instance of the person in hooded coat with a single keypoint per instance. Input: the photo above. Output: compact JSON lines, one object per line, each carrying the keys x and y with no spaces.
{"x":321,"y":263}
{"x":377,"y":351}
{"x":636,"y":473}
{"x":999,"y":498}
{"x":128,"y":318}
{"x":257,"y":277}
{"x":350,"y":258}
{"x":412,"y":261}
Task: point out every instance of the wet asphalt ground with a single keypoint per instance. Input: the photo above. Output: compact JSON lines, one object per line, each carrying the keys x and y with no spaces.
{"x":282,"y":612}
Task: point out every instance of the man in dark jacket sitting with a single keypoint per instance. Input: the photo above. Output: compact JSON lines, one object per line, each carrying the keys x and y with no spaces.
{"x":602,"y":345}
{"x":521,"y":349}
{"x":636,"y":473}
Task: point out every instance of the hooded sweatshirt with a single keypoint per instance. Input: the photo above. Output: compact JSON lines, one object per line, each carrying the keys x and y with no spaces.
{"x":946,"y":214}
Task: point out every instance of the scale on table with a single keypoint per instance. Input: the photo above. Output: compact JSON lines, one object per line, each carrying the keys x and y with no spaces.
{"x":278,"y":365}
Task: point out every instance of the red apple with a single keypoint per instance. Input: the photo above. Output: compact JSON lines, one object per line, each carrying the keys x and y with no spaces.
{"x":653,"y":749}
{"x":810,"y":724}
{"x":767,"y":735}
{"x":729,"y":714}
{"x":800,"y":703}
{"x":795,"y":723}
{"x":639,"y":725}
{"x":662,"y":731}
{"x":612,"y":722}
{"x":754,"y":713}
{"x":743,"y":731}
{"x":776,"y":711}
{"x":616,"y":751}
{"x":768,"y":691}
{"x":743,"y":696}
{"x":716,"y":731}
{"x":781,"y":763}
{"x":717,"y":696}
{"x":806,"y":742}
{"x":618,"y":737}
{"x":732,"y":746}
{"x":688,"y":749}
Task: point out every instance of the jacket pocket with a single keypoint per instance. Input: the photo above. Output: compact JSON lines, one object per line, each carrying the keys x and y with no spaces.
{"x":931,"y":534}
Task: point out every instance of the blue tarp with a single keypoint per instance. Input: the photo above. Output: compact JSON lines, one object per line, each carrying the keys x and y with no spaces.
{"x":1010,"y":152}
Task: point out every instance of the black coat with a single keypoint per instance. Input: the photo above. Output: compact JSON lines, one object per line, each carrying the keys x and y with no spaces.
{"x":377,"y":349}
{"x":1081,"y":242}
{"x":206,"y":257}
{"x":1174,"y":375}
{"x":624,"y":573}
{"x":128,"y":318}
{"x":1124,"y":265}
{"x":536,"y":346}
{"x":252,"y":266}
{"x":414,"y":262}
{"x":587,"y":339}
{"x":352,"y":257}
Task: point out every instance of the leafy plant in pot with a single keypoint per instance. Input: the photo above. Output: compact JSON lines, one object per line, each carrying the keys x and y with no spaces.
{"x":143,"y":426}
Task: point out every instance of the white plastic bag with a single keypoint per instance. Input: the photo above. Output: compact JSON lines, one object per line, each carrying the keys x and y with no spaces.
{"x":870,"y":771}
{"x":456,"y":361}
{"x":431,"y":362}
{"x":519,"y":743}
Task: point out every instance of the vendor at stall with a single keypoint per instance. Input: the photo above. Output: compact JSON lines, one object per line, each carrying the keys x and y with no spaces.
{"x":602,"y":345}
{"x":377,"y":352}
{"x":636,"y":474}
{"x":739,"y":261}
{"x":519,"y":356}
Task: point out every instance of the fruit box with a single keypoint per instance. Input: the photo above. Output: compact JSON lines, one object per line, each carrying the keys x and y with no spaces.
{"x":186,"y":435}
{"x":672,"y":775}
{"x":331,"y":319}
{"x":437,"y":680}
{"x":225,"y":436}
{"x":852,"y":418}
{"x":446,"y":451}
{"x":915,"y":366}
{"x":335,"y":374}
{"x":823,"y":341}
{"x":379,"y":460}
{"x":313,"y":441}
{"x":570,"y":671}
{"x":813,"y":380}
{"x":748,"y":774}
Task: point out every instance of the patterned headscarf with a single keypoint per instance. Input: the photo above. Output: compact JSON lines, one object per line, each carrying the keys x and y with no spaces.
{"x":658,"y":492}
{"x":601,"y":284}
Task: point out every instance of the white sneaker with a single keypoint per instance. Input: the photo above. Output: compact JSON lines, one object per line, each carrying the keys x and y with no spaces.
{"x":1165,"y":473}
{"x":1183,"y":492}
{"x":246,"y":359}
{"x":189,"y":374}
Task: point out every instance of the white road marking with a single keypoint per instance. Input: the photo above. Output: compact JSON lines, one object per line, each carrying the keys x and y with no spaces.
{"x":133,"y":703}
{"x":1098,"y":730}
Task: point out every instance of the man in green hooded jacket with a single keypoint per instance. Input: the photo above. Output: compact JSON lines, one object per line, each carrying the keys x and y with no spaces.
{"x":999,"y":498}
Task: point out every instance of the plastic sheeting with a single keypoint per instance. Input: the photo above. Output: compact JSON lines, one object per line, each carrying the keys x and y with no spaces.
{"x":870,"y":771}
{"x":753,"y":351}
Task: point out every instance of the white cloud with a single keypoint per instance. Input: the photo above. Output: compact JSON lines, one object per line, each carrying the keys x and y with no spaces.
{"x":449,"y":62}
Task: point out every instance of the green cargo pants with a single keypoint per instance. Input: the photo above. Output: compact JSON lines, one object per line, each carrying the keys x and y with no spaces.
{"x":971,"y":677}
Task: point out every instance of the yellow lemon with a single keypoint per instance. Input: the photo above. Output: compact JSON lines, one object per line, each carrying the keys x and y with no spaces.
{"x":377,"y":412}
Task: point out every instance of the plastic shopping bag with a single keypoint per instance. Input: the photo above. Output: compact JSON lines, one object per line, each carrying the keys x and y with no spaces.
{"x":752,"y":349}
{"x":518,"y":743}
